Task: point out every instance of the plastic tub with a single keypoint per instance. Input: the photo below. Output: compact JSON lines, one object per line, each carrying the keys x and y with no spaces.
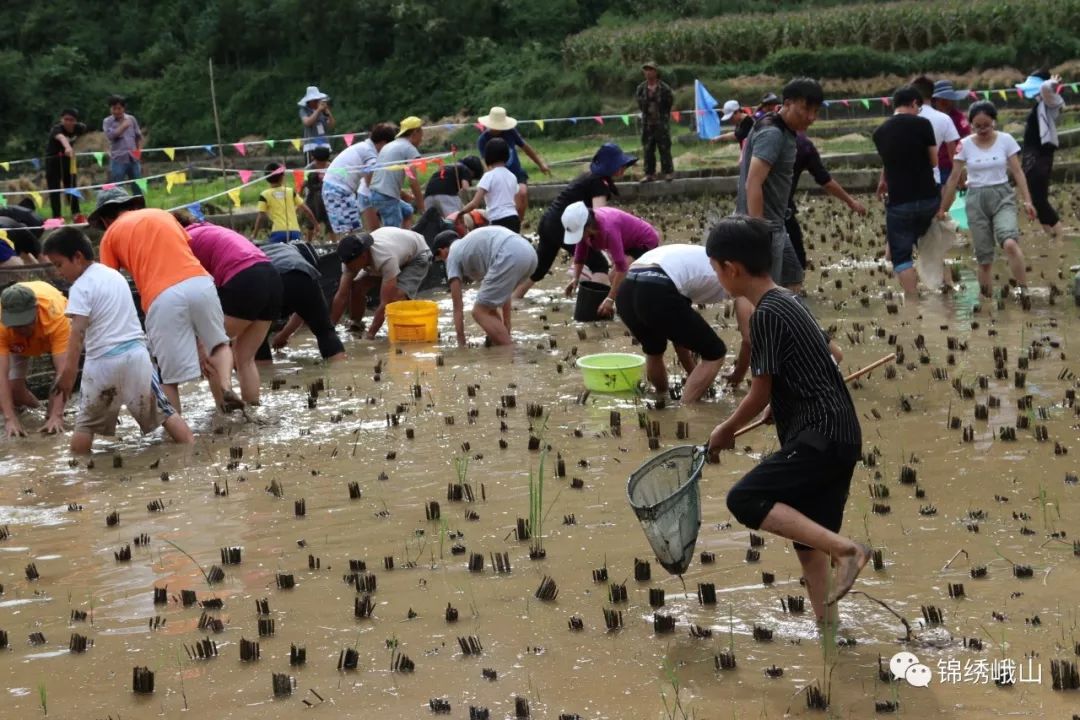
{"x":590,"y":295}
{"x":413,"y":321}
{"x":611,"y":372}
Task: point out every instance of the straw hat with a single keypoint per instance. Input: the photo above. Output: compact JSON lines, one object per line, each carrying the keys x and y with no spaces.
{"x":497,"y":119}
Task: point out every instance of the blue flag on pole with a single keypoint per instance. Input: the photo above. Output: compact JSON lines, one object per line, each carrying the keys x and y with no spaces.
{"x":708,"y":121}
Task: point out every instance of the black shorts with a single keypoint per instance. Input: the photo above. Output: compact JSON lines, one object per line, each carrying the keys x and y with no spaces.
{"x":252,"y":294}
{"x":652,"y":308}
{"x":809,"y":473}
{"x":511,"y":222}
{"x":303,"y":296}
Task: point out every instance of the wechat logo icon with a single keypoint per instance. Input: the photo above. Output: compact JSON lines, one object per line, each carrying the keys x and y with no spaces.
{"x":905,"y":666}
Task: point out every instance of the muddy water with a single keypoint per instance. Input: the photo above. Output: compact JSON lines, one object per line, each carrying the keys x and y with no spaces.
{"x":1000,"y":502}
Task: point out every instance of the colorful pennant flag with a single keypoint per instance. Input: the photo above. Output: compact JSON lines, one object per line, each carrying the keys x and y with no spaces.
{"x":409,"y":172}
{"x":73,"y":192}
{"x":540,"y":124}
{"x":36,"y":196}
{"x":479,"y":127}
{"x":296,"y":144}
{"x":141,"y":184}
{"x":174,"y":178}
{"x":348,"y":138}
{"x":866,"y":103}
{"x":5,"y":165}
{"x":209,"y":150}
{"x":245,"y":175}
{"x":5,"y":240}
{"x":422,"y":164}
{"x":234,"y":195}
{"x":240,"y":148}
{"x":298,"y":179}
{"x":845,"y":103}
{"x":196,"y":211}
{"x":887,"y":102}
{"x":169,"y":152}
{"x":3,"y":201}
{"x":99,"y":157}
{"x":625,"y":119}
{"x":1003,"y":95}
{"x":137,"y":154}
{"x":986,"y":94}
{"x":573,"y":121}
{"x":36,"y":163}
{"x":599,"y":120}
{"x":676,"y":116}
{"x":108,"y":186}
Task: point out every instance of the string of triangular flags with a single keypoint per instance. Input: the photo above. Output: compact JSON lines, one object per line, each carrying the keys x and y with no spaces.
{"x":348,"y":138}
{"x":411,"y":168}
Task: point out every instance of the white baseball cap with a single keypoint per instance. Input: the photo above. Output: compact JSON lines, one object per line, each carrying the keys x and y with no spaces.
{"x":574,"y":219}
{"x":730,"y":108}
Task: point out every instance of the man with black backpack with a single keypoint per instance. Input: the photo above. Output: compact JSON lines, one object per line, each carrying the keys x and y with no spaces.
{"x":767,"y":171}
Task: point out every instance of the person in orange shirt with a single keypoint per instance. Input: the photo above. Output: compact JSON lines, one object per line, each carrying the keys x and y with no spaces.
{"x":184,"y":320}
{"x":32,"y":323}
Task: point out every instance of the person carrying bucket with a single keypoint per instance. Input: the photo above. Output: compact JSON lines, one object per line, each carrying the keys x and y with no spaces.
{"x":606,"y":228}
{"x":497,"y":257}
{"x":656,"y":301}
{"x":798,"y":492}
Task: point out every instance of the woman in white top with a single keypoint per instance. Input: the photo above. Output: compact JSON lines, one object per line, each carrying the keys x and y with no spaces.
{"x":497,"y":189}
{"x":989,"y":157}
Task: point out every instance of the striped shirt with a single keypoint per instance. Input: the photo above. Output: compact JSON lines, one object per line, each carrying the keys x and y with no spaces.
{"x":808,"y":391}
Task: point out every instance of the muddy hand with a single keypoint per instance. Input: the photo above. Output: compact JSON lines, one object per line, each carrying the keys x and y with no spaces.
{"x":12,"y":428}
{"x":53,"y":426}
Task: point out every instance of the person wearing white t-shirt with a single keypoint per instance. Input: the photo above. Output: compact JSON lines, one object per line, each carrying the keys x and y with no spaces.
{"x":345,"y":190}
{"x":117,"y":371}
{"x":655,"y":301}
{"x":989,"y":157}
{"x":497,"y":188}
{"x":945,"y":132}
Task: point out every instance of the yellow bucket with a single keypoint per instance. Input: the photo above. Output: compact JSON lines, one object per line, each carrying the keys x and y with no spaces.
{"x":413,"y":321}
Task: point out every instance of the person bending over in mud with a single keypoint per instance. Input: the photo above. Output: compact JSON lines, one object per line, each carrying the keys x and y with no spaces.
{"x":497,"y":257}
{"x":800,"y":491}
{"x":32,"y":323}
{"x":118,"y":371}
{"x":656,"y":303}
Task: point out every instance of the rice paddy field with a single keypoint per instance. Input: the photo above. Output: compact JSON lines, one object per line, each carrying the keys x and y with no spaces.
{"x":428,"y":530}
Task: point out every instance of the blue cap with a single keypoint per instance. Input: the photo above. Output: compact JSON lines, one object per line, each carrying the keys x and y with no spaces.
{"x":609,"y":159}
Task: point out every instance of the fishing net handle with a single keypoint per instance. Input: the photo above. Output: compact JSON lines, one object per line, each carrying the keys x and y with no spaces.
{"x":857,"y":374}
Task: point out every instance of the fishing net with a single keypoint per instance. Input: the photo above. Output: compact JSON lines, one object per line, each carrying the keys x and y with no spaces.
{"x":933,"y":246}
{"x":664,"y":495}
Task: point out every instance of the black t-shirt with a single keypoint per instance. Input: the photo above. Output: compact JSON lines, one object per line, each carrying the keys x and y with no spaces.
{"x":54,"y":148}
{"x":583,"y":188}
{"x":902,"y":143}
{"x":745,"y":127}
{"x":807,"y":159}
{"x":808,"y":391}
{"x":448,"y":180}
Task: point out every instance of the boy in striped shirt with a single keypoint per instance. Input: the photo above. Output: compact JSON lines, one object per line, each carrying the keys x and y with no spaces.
{"x":798,"y":492}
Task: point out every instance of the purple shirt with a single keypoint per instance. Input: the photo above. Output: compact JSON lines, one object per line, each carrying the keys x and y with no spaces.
{"x":223,"y":252}
{"x":619,"y":231}
{"x":121,"y":145}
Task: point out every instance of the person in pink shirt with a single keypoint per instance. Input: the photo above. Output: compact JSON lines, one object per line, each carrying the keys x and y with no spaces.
{"x":608,"y":229}
{"x":249,"y":288}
